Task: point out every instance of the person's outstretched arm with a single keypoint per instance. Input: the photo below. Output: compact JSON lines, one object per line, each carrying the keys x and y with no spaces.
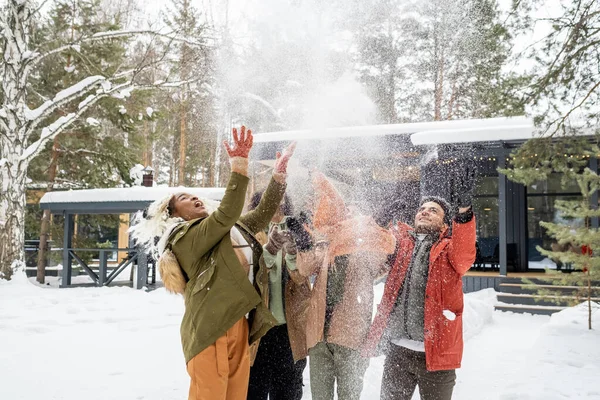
{"x":218,"y":224}
{"x":259,"y":218}
{"x":462,"y":251}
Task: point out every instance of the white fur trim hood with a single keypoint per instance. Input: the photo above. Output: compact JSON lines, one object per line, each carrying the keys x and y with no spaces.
{"x":158,"y":224}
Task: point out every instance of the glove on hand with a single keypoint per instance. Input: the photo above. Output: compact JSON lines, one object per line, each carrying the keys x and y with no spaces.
{"x":465,"y":184}
{"x":281,"y":160}
{"x":290,"y":246}
{"x":302,"y":239}
{"x":276,"y":240}
{"x":242,"y":143}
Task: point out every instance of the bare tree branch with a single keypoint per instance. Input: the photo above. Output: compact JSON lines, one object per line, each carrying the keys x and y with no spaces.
{"x":559,"y":122}
{"x":37,"y":9}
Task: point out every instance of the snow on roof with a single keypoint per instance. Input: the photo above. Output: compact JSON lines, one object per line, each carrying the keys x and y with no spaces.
{"x":437,"y":132}
{"x":130,"y":194}
{"x":482,"y":130}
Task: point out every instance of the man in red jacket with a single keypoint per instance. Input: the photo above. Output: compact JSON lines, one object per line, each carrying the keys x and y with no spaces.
{"x":419,"y":320}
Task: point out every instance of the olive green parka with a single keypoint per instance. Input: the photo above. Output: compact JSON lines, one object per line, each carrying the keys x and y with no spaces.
{"x":218,"y":292}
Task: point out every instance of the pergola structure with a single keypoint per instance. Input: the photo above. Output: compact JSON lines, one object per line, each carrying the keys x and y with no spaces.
{"x":109,"y":201}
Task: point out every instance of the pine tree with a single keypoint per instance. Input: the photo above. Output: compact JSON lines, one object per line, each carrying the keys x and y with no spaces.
{"x":437,"y":60}
{"x":569,"y":156}
{"x":564,"y":94}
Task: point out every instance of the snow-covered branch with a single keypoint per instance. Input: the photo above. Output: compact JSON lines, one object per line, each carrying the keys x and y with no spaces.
{"x":63,"y":97}
{"x":49,"y":132}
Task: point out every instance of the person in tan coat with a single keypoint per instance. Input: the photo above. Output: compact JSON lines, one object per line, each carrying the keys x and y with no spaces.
{"x":347,"y":253}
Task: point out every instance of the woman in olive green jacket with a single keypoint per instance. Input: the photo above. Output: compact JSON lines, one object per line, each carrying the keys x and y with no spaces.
{"x":211,"y":258}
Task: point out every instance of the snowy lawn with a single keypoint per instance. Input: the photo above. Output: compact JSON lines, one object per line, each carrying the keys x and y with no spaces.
{"x":118,"y":343}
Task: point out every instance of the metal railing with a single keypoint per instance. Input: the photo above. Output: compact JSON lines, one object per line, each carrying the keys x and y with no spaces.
{"x":134,"y":257}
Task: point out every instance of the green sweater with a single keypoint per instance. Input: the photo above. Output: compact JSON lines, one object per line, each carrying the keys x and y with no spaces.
{"x":275,"y":263}
{"x":218,"y":292}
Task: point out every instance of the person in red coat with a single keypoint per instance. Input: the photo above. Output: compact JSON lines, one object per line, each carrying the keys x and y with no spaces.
{"x":418,"y":324}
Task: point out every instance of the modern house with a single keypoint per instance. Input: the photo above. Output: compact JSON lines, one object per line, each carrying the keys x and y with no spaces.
{"x":384,"y":170}
{"x":384,"y":164}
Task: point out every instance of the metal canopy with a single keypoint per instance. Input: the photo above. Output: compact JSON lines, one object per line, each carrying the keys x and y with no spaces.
{"x":117,"y":207}
{"x":116,"y":200}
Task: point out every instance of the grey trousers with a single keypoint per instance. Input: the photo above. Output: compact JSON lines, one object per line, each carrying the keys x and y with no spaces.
{"x":330,"y":362}
{"x":404,"y":369}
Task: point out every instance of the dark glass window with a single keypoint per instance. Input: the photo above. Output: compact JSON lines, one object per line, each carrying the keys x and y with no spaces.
{"x":485,"y":207}
{"x":542,"y":208}
{"x":553,"y":185}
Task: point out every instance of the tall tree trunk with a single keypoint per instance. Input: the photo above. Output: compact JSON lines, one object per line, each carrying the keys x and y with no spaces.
{"x":452,"y":100}
{"x":438,"y":71}
{"x":45,"y":227}
{"x":439,"y":90}
{"x":13,"y":136}
{"x":12,"y":214}
{"x":212,"y":166}
{"x":589,"y":297}
{"x":146,"y":149}
{"x":392,"y":114}
{"x":173,"y":163}
{"x":182,"y":143}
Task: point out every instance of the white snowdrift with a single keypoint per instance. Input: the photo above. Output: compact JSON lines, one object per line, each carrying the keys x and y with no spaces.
{"x":564,"y":363}
{"x":119,"y":343}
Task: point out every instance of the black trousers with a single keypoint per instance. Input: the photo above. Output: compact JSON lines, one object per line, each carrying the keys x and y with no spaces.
{"x":404,"y":369}
{"x":274,"y":373}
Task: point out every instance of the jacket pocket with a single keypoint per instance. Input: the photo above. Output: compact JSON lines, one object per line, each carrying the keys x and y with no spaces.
{"x":204,"y":278}
{"x":450,"y":335}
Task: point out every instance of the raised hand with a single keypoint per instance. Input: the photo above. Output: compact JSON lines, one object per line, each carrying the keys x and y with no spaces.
{"x":301,"y":238}
{"x":242,"y":143}
{"x":281,"y":161}
{"x":465,"y":185}
{"x":276,"y":241}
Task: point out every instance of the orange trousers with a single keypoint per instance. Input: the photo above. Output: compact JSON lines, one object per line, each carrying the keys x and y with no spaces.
{"x":222,"y":370}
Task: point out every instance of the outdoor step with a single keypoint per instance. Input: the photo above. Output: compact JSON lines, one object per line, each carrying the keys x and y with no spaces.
{"x":530,"y":285}
{"x":546,"y":280}
{"x":527,"y":295}
{"x":532,"y":299}
{"x":529,"y":309}
{"x":528,"y":288}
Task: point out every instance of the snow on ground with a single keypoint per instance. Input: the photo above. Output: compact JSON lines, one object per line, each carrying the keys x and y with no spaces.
{"x":119,"y":343}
